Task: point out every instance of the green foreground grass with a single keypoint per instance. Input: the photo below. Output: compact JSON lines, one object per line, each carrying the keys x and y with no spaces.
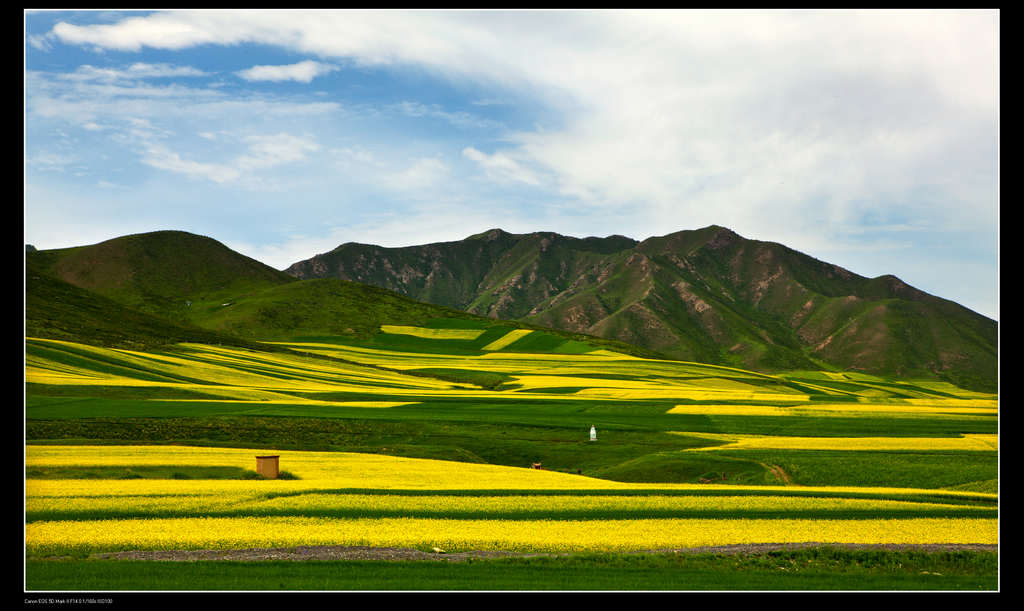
{"x":625,"y":453}
{"x":823,"y":568}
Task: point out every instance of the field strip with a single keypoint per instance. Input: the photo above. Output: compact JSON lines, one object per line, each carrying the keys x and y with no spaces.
{"x":676,"y":374}
{"x":539,"y":372}
{"x":968,"y":442}
{"x":989,"y":403}
{"x":349,"y":471}
{"x":507,"y":339}
{"x":229,"y":373}
{"x":372,"y":356}
{"x":511,"y":535}
{"x":844,"y":409}
{"x":316,"y":469}
{"x":428,"y":333}
{"x":268,"y":391}
{"x":619,"y":356}
{"x":692,"y":393}
{"x":486,"y":506}
{"x":63,"y":363}
{"x":285,"y":400}
{"x":836,"y":376}
{"x":827,"y":390}
{"x":122,"y":494}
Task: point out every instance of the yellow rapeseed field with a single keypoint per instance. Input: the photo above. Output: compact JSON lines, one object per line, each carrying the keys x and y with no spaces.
{"x":366,"y":499}
{"x":531,"y":535}
{"x":269,"y":513}
{"x":230,"y":372}
{"x":746,"y":442}
{"x":314,"y":470}
{"x":507,"y":339}
{"x":837,"y":409}
{"x":428,"y":333}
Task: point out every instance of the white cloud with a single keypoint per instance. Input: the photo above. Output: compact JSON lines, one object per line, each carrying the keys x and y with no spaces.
{"x":347,"y":155}
{"x":674,"y":110}
{"x":788,"y":125}
{"x":51,"y":161}
{"x":423,"y":173}
{"x":664,"y":107}
{"x":500,"y":166}
{"x":262,"y":152}
{"x":160,"y":157}
{"x":40,"y":42}
{"x":164,"y":31}
{"x":137,"y":70}
{"x":152,"y":121}
{"x":266,"y":151}
{"x":83,"y":100}
{"x":79,"y":101}
{"x":371,"y":37}
{"x":303,"y":72}
{"x":490,"y":102}
{"x":463,"y":120}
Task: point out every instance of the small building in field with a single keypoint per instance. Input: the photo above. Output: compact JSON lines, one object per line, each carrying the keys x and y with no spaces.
{"x":268,"y":466}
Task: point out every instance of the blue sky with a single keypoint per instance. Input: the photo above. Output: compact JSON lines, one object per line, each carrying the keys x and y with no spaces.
{"x":868,"y":139}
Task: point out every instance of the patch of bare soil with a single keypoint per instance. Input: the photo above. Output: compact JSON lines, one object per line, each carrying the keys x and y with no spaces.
{"x":338,"y":552}
{"x":779,"y":473}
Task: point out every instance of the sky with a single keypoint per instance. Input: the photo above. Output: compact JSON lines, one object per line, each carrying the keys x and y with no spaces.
{"x":865,"y":138}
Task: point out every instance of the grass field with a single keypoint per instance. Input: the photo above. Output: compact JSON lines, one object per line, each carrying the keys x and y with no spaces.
{"x":817,"y":569}
{"x":423,"y":437}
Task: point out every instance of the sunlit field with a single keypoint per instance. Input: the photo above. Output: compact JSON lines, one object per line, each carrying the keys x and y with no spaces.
{"x":353,"y":499}
{"x":424,"y":437}
{"x":981,"y":443}
{"x":428,"y":333}
{"x":507,"y":339}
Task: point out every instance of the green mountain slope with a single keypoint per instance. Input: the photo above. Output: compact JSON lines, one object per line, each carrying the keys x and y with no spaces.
{"x":706,"y":295}
{"x":495,"y":273}
{"x":174,"y":274}
{"x":167,"y":287}
{"x":55,"y":309}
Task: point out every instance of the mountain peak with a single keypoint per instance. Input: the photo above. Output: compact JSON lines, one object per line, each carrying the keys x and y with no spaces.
{"x":721,"y":236}
{"x":490,"y":235}
{"x":159,"y":270}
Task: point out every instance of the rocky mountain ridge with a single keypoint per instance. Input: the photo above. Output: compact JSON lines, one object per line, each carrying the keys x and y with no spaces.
{"x":706,"y":295}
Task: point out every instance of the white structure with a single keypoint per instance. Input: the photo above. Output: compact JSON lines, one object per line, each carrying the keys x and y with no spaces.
{"x":593,"y":433}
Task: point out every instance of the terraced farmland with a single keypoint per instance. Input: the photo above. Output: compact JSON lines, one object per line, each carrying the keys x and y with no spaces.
{"x":423,"y":438}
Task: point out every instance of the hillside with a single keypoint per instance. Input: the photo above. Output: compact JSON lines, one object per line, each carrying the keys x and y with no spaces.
{"x":174,"y":274}
{"x":166,"y":287}
{"x":706,"y":295}
{"x":55,"y":309}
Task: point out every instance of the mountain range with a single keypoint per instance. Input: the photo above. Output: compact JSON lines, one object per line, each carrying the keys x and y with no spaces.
{"x":165,"y":287}
{"x":706,"y":295}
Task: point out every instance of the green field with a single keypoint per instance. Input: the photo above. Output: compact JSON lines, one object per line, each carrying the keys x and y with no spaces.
{"x":822,"y":569}
{"x":422,"y":436}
